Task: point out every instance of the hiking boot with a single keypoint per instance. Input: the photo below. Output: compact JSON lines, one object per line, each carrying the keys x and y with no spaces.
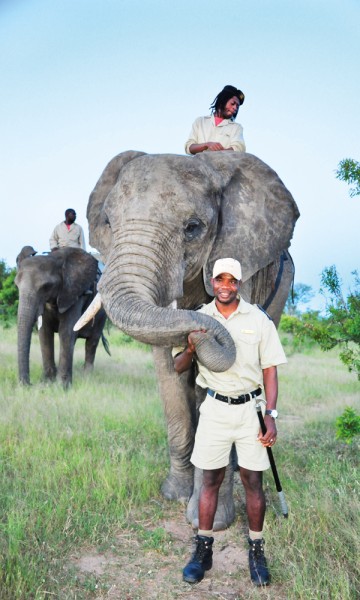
{"x":257,"y":563}
{"x":200,"y":561}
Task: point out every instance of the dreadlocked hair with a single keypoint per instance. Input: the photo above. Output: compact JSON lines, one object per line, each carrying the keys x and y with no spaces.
{"x":221,"y":99}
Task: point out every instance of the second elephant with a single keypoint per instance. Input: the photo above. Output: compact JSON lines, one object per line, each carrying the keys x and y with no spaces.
{"x":54,"y":289}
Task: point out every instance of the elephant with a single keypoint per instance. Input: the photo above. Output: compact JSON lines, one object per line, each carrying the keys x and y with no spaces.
{"x":160,"y":221}
{"x":55,"y":290}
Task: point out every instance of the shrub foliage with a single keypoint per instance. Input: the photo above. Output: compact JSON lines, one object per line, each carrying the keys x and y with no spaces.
{"x":9,"y":295}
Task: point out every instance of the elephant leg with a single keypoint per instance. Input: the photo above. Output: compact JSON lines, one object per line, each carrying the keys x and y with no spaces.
{"x":46,"y":337}
{"x":179,"y":406}
{"x":225,"y":512}
{"x":67,"y":343}
{"x":91,"y":345}
{"x":92,"y":341}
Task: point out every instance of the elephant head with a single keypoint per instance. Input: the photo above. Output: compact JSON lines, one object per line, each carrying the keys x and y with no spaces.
{"x":59,"y":279}
{"x":161,"y":221}
{"x":25,"y":252}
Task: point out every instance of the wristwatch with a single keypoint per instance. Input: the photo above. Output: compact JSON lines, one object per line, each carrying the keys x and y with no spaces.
{"x":273,"y":413}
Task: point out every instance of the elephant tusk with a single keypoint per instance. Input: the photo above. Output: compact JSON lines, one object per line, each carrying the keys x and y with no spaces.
{"x":39,"y":322}
{"x":89,"y":313}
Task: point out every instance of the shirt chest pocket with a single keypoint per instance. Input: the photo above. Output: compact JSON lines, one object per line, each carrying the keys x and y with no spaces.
{"x":247,"y":336}
{"x":224,"y":133}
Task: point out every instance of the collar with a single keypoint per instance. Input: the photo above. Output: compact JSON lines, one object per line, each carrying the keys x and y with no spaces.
{"x":242,"y":308}
{"x":223,"y":123}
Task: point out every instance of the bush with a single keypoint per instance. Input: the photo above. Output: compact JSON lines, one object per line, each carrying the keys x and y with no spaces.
{"x":348,"y":425}
{"x":9,"y":295}
{"x":341,"y":326}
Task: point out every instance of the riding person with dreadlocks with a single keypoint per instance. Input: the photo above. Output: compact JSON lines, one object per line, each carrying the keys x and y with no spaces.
{"x":219,"y":131}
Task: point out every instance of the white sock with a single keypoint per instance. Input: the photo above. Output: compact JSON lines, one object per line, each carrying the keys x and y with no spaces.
{"x":255,"y":535}
{"x":206,"y":532}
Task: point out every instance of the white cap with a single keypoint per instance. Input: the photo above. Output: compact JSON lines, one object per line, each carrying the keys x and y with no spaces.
{"x":227,"y":265}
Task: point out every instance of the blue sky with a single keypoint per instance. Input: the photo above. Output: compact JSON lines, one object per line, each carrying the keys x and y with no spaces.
{"x":82,"y":80}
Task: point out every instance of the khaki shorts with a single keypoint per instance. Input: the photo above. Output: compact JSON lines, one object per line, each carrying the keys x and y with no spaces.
{"x":220,"y":426}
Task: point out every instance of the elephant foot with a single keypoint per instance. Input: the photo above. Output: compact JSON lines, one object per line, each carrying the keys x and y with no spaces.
{"x":49,"y":376}
{"x":65,"y":383}
{"x":178,"y":488}
{"x":88,"y":367}
{"x":224,"y":516}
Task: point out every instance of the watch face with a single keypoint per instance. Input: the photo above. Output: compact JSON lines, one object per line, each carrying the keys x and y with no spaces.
{"x":274,"y":414}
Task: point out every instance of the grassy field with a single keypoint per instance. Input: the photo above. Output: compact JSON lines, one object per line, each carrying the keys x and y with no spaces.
{"x":81,"y":512}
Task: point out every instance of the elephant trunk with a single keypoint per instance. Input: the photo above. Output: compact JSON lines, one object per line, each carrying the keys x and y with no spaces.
{"x":131,"y":302}
{"x":26,"y":319}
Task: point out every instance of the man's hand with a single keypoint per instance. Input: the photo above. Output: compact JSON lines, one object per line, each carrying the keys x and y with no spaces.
{"x":268,"y":438}
{"x":212,"y":146}
{"x":182,"y":362}
{"x":194,"y":337}
{"x":271,"y":393}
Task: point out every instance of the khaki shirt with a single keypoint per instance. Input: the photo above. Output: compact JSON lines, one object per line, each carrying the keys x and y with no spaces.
{"x":228,"y":133}
{"x":257,"y":347}
{"x":63,"y":237}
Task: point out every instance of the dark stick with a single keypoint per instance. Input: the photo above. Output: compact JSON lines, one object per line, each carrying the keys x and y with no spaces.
{"x":283,"y":504}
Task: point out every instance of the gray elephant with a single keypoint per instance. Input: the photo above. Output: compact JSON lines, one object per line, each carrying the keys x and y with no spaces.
{"x":55,"y":290}
{"x":160,"y":222}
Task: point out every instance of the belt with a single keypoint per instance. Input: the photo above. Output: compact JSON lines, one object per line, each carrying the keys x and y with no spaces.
{"x":239,"y":400}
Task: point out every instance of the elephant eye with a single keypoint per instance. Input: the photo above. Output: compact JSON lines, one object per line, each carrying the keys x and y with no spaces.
{"x":192,"y":228}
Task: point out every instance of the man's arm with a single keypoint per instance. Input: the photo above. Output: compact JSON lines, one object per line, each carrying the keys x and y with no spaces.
{"x":82,"y":238}
{"x":271,"y":394}
{"x":54,"y":240}
{"x":212,"y":146}
{"x":183,"y":360}
{"x":236,"y":141}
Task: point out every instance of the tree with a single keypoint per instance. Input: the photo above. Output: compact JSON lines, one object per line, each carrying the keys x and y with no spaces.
{"x":349,"y":170}
{"x":341,"y":327}
{"x":301,"y":294}
{"x":9,"y":295}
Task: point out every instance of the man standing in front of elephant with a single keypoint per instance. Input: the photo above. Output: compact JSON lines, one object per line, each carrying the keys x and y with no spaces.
{"x":228,"y":415}
{"x":219,"y":131}
{"x":68,"y":233}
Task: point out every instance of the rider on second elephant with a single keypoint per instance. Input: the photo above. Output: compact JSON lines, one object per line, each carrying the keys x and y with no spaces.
{"x":68,"y":234}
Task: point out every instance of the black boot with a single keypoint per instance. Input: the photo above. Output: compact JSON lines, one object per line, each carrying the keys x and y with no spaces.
{"x":201,"y":560}
{"x":257,"y":562}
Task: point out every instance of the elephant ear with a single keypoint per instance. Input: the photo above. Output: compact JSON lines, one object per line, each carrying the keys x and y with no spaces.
{"x":100,"y":235}
{"x":257,"y":213}
{"x":79,"y":271}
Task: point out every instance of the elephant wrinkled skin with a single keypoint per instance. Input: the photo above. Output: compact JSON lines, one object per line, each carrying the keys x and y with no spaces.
{"x":52,"y":287}
{"x":160,"y":222}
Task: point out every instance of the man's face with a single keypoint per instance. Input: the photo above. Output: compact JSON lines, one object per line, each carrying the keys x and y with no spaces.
{"x":226,"y":288}
{"x":71,"y":216}
{"x":231,"y":108}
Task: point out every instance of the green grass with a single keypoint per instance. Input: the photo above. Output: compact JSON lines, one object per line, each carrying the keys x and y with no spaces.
{"x":77,"y":465}
{"x":73,"y":464}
